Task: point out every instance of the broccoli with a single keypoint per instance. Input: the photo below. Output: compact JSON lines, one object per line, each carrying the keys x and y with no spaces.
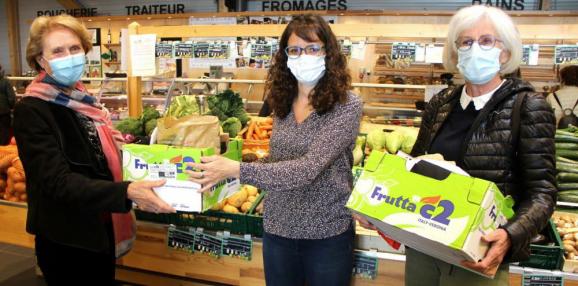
{"x":130,"y":126}
{"x":227,"y":104}
{"x":232,"y":126}
{"x":148,"y":114}
{"x":150,"y":126}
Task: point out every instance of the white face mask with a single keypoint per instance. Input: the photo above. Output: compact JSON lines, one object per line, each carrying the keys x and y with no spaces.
{"x":307,"y":69}
{"x":479,"y":66}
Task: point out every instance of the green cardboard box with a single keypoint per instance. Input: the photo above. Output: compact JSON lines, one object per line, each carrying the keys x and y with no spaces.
{"x":429,"y":208}
{"x":152,"y":162}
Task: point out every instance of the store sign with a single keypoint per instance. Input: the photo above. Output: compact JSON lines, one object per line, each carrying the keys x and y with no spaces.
{"x":155,"y":9}
{"x":304,"y":5}
{"x":502,"y":4}
{"x":80,"y":12}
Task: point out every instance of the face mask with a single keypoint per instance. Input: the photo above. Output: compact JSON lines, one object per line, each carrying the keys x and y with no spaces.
{"x":307,"y":69}
{"x":68,"y":70}
{"x":479,"y":66}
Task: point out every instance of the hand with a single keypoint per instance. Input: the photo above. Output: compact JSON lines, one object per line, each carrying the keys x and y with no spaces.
{"x":364,"y":222}
{"x":499,"y":245}
{"x":213,"y":169}
{"x":141,"y":193}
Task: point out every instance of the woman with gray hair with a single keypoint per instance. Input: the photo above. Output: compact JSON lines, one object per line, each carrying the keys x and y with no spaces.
{"x":498,"y":129}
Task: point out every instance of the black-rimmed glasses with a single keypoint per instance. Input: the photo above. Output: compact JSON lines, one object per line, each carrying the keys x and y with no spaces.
{"x":296,"y":51}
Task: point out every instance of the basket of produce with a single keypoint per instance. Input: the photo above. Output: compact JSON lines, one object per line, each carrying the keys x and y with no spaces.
{"x":240,"y":214}
{"x":12,"y":177}
{"x":546,"y":250}
{"x":256,"y":138}
{"x":567,"y":229}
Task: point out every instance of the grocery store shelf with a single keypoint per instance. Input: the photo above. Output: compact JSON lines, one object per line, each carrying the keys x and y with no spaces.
{"x":567,"y":204}
{"x":211,"y":80}
{"x":13,"y":204}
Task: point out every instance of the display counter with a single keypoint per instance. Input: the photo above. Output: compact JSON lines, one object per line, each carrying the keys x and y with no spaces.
{"x":151,"y":262}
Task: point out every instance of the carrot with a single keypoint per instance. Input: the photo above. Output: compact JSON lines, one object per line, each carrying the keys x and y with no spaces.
{"x":251,"y":129}
{"x":257,"y":130}
{"x":269,"y":133}
{"x":266,"y":127}
{"x":264,"y":134}
{"x":268,"y":120}
{"x":256,"y":137}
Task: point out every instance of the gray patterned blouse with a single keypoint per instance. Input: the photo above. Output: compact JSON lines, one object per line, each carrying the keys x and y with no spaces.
{"x":307,"y":175}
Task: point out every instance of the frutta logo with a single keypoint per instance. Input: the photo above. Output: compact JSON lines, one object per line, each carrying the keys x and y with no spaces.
{"x":431,"y":205}
{"x":179,"y":161}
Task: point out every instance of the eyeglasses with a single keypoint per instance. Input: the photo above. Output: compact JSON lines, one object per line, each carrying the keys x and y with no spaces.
{"x":312,"y":50}
{"x":486,"y":42}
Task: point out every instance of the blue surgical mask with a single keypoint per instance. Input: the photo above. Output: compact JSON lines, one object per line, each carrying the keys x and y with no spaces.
{"x":479,"y":66}
{"x":68,"y":70}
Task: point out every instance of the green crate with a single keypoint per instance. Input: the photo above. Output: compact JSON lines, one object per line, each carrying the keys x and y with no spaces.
{"x":211,"y":220}
{"x":547,"y":257}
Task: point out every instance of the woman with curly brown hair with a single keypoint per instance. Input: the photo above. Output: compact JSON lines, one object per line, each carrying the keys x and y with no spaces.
{"x":308,"y":231}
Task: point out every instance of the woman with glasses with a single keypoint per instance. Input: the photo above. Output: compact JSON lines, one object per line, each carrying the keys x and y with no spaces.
{"x":496,"y":129}
{"x":308,"y":230}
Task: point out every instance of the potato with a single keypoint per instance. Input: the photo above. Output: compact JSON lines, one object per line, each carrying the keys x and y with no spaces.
{"x":568,"y":236}
{"x":230,"y":209}
{"x":238,"y":198}
{"x":569,"y":248}
{"x":570,"y":242}
{"x":566,"y":218}
{"x":560,"y":223}
{"x":23,"y":197}
{"x":251,"y":199}
{"x":218,"y":206}
{"x":568,"y":225}
{"x":575,"y":236}
{"x":571,"y":256}
{"x":252,"y":190}
{"x":246,"y":206}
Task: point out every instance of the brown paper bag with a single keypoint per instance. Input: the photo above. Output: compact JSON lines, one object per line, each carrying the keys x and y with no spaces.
{"x":198,"y":131}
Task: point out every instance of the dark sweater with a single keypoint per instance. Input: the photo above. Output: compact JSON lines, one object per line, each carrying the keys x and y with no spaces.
{"x":452,"y":134}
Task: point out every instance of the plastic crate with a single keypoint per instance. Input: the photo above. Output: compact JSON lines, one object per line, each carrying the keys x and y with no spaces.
{"x":211,"y":220}
{"x":544,"y":256}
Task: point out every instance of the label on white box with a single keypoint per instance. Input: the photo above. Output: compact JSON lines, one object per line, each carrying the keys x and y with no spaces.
{"x":162,"y":171}
{"x":181,"y":195}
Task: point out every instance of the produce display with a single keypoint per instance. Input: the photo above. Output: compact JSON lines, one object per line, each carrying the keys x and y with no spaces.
{"x":567,"y":227}
{"x":391,"y":141}
{"x":12,"y":178}
{"x":241,"y":202}
{"x":567,"y":164}
{"x":227,"y":105}
{"x":183,"y":105}
{"x":256,"y":137}
{"x":132,"y":128}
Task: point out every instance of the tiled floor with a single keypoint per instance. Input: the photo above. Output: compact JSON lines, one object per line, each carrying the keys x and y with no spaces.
{"x":17,"y":267}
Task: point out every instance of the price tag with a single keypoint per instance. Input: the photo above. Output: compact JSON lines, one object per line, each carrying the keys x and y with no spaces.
{"x":542,"y":279}
{"x":365,"y":265}
{"x":240,"y":247}
{"x":564,"y":54}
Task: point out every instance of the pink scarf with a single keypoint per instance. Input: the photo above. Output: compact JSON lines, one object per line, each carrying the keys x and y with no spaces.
{"x":79,"y":100}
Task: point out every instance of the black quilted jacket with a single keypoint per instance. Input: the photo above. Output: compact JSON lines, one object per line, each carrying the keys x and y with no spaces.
{"x":487,"y":153}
